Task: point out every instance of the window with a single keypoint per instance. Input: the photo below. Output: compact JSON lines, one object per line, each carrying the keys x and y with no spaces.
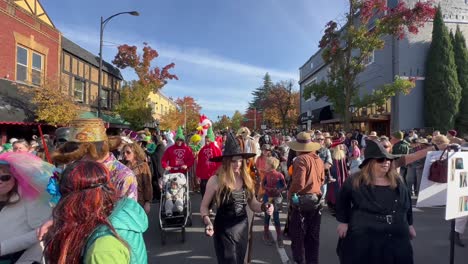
{"x":104,"y":98}
{"x":369,"y":59}
{"x":78,"y":90}
{"x":21,"y":64}
{"x":29,"y":66}
{"x":36,"y":77}
{"x":309,"y":83}
{"x":311,"y":65}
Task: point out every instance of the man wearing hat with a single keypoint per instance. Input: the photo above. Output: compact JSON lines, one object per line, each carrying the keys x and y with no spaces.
{"x":87,"y":139}
{"x":400,"y":147}
{"x":452,"y":136}
{"x":304,"y":196}
{"x":178,"y":157}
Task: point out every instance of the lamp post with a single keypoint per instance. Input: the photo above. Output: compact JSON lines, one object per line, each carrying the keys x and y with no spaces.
{"x":103,"y":24}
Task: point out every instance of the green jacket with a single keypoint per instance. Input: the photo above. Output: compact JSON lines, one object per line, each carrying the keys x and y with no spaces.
{"x":401,"y":148}
{"x":130,"y":222}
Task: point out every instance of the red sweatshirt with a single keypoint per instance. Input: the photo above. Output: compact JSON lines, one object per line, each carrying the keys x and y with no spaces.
{"x":206,"y":168}
{"x":176,"y":156}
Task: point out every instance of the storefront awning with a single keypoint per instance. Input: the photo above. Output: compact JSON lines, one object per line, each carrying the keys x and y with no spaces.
{"x":317,"y":115}
{"x":113,"y":121}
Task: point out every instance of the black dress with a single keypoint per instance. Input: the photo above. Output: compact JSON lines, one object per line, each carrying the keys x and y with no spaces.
{"x":378,"y":220}
{"x":231,"y":228}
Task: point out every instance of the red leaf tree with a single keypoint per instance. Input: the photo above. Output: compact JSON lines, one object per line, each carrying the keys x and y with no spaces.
{"x":156,"y":77}
{"x":346,"y":50}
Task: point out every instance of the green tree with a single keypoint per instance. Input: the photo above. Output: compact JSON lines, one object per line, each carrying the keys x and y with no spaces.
{"x":236,"y":120}
{"x":442,"y":91}
{"x":133,"y":106}
{"x":261,"y":93}
{"x":461,"y":60}
{"x":223,"y":123}
{"x":346,"y":51}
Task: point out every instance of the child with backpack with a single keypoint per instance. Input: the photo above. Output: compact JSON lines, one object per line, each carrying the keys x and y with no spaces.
{"x":273,"y":184}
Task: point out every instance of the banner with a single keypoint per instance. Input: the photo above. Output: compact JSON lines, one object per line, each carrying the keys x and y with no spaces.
{"x":457,"y":186}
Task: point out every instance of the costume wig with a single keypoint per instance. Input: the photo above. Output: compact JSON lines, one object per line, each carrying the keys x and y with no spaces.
{"x":72,"y":151}
{"x":87,"y":202}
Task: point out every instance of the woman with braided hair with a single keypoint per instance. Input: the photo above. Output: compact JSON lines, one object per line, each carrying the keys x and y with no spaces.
{"x":91,"y":223}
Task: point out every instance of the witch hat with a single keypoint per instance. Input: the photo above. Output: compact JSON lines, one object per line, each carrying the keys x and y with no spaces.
{"x":232,"y":149}
{"x":375,"y":150}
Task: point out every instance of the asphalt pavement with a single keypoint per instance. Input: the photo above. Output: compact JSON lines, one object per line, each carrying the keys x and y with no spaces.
{"x":430,"y":247}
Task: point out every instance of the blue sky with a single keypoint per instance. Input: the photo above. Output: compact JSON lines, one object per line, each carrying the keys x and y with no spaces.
{"x":221,"y":48}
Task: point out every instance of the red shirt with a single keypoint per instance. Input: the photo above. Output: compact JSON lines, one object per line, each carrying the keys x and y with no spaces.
{"x":206,"y":168}
{"x":175,"y":157}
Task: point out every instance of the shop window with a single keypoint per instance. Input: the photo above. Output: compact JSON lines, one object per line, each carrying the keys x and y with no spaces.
{"x":21,"y":64}
{"x":29,"y":66}
{"x":37,"y":65}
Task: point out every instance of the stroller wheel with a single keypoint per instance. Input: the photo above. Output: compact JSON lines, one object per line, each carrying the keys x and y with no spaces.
{"x":183,"y":235}
{"x":163,"y":238}
{"x":189,"y":221}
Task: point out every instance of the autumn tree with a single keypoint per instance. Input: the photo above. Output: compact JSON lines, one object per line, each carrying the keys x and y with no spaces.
{"x":223,"y":123}
{"x":279,"y":102}
{"x":187,"y":112}
{"x":442,"y":91}
{"x":236,"y":120}
{"x":52,"y":105}
{"x":134,"y":106}
{"x":346,"y":51}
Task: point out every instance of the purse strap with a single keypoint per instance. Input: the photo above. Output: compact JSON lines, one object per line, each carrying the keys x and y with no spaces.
{"x":443,"y":152}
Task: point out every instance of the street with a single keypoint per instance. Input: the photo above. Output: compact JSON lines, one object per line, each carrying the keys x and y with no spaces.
{"x":430,"y":247}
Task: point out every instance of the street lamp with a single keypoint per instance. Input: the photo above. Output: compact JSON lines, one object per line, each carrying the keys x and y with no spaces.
{"x":103,"y":24}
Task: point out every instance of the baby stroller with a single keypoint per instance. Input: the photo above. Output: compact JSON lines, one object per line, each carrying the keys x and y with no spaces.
{"x":177,"y":220}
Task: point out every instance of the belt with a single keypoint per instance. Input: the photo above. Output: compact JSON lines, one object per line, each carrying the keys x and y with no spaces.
{"x":385,"y":219}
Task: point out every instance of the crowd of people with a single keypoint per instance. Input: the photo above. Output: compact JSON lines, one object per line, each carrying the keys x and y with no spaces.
{"x":88,"y":201}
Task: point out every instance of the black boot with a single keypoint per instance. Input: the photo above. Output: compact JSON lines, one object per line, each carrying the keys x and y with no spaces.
{"x":458,"y":241}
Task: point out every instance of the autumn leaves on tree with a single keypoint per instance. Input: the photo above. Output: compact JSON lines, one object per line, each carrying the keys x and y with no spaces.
{"x":133,"y":105}
{"x":346,"y":50}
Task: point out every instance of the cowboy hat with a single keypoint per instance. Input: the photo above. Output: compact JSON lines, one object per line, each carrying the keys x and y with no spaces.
{"x":375,"y":150}
{"x":304,"y":143}
{"x":232,"y":149}
{"x":373,"y":135}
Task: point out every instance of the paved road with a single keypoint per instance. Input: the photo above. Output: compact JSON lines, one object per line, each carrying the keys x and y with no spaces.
{"x":430,"y":247}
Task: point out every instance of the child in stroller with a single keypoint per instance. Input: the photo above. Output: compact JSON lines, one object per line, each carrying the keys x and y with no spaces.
{"x":175,"y":191}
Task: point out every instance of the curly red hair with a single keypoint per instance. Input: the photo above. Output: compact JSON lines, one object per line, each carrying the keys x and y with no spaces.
{"x":87,"y":200}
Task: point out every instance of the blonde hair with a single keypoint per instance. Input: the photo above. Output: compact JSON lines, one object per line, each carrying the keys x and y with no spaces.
{"x":338,"y":153}
{"x":227,"y":180}
{"x":365,"y":176}
{"x":272,"y":162}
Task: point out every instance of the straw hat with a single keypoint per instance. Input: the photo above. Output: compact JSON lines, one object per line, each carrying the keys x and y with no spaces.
{"x":373,"y":135}
{"x":326,"y":135}
{"x":87,"y":130}
{"x":440,"y":140}
{"x":304,"y":143}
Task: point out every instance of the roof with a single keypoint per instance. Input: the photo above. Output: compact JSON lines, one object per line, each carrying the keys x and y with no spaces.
{"x":35,"y":8}
{"x":14,"y":106}
{"x":87,"y":56}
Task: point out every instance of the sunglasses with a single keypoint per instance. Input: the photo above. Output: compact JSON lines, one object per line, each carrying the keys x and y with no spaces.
{"x":320,"y":139}
{"x":128,"y":152}
{"x":382,"y":160}
{"x":5,"y":178}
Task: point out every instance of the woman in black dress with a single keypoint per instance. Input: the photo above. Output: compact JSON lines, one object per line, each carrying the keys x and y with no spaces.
{"x":232,"y":189}
{"x":375,"y":213}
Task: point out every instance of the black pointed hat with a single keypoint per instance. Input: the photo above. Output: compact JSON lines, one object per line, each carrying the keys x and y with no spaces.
{"x":375,"y":150}
{"x":232,"y":149}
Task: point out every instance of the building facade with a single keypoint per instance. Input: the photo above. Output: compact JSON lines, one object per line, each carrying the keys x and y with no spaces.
{"x":405,"y":58}
{"x":79,"y":78}
{"x":160,"y":105}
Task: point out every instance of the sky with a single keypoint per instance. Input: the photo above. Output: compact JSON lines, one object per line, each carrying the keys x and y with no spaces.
{"x":221,"y":48}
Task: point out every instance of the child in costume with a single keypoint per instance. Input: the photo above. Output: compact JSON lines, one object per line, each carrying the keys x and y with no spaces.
{"x":175,"y":191}
{"x":195,"y":144}
{"x":178,"y":157}
{"x":273,"y":184}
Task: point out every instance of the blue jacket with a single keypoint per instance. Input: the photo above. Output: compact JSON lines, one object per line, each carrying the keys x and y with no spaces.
{"x":130,"y":222}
